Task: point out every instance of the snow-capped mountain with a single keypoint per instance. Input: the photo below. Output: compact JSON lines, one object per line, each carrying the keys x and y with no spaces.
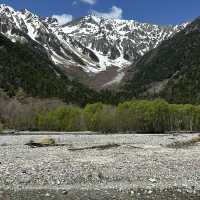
{"x":25,"y":26}
{"x":118,"y":42}
{"x":93,"y":44}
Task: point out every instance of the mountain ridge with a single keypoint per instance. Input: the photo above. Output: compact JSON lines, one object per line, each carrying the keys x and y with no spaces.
{"x":122,"y":35}
{"x":95,"y":50}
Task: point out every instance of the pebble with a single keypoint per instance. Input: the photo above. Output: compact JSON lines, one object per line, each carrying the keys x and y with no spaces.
{"x":3,"y":195}
{"x":150,"y":192}
{"x":117,"y":167}
{"x":23,"y":171}
{"x":47,"y":195}
{"x":153,"y":180}
{"x":64,"y":192}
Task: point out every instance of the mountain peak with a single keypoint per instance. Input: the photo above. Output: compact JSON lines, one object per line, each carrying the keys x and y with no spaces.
{"x":6,"y":8}
{"x":51,"y":21}
{"x":26,"y":12}
{"x":98,"y":18}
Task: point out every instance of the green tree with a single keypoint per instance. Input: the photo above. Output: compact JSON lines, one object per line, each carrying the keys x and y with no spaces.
{"x":65,"y":118}
{"x":90,"y":114}
{"x":106,"y":118}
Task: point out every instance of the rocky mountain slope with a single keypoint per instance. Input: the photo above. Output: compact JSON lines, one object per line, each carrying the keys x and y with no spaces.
{"x":117,"y":42}
{"x":170,"y":71}
{"x":86,"y":47}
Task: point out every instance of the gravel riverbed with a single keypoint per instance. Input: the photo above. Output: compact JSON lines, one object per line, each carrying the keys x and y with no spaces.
{"x":141,"y":167}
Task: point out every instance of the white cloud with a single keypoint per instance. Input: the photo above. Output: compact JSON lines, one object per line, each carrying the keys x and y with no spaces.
{"x":115,"y":13}
{"x":63,"y":19}
{"x":91,"y":2}
{"x":74,"y":3}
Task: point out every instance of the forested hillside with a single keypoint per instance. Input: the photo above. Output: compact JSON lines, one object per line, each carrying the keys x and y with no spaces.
{"x":22,"y":67}
{"x":170,"y":71}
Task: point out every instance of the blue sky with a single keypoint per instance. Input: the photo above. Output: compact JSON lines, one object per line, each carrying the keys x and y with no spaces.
{"x":152,"y":11}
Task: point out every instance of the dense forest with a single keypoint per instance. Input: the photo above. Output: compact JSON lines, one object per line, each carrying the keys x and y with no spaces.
{"x":158,"y":116}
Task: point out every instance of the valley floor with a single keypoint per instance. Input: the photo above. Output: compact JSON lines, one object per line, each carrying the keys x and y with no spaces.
{"x":128,"y":167}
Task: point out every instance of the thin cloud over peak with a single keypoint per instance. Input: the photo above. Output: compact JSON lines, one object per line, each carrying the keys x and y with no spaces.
{"x":91,"y":2}
{"x":63,"y":18}
{"x":114,"y":13}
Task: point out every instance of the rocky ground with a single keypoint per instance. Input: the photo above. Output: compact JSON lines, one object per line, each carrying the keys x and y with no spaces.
{"x":136,"y":167}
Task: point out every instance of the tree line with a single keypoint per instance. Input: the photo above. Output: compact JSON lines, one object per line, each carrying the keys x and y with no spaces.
{"x":144,"y":116}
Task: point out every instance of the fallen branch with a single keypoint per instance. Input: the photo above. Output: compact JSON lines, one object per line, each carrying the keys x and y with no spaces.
{"x":35,"y":145}
{"x":100,"y":147}
{"x":134,"y":147}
